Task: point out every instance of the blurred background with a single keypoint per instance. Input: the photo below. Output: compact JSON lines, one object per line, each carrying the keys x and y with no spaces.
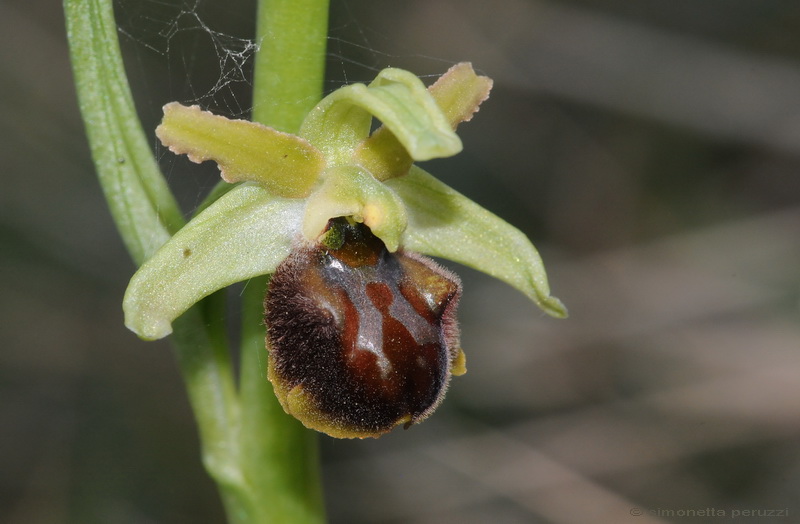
{"x":650,"y":149}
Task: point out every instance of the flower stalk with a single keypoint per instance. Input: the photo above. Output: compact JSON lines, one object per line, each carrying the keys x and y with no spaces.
{"x":288,"y":81}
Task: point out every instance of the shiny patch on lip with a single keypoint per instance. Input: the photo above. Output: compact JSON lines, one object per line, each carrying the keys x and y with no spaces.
{"x":360,"y":339}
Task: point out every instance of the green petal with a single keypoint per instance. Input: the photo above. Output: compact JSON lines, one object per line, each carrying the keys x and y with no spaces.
{"x":353,"y":192}
{"x":445,"y":223}
{"x":458,"y":93}
{"x":396,"y":97}
{"x":285,"y":164}
{"x":245,"y":233}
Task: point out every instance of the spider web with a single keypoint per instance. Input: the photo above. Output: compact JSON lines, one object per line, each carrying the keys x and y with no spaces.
{"x":202,"y":52}
{"x":193,"y":51}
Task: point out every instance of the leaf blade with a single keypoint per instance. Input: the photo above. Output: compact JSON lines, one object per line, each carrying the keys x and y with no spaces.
{"x":139,"y":198}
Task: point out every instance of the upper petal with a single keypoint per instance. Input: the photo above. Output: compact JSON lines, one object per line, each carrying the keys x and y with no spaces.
{"x":458,"y":93}
{"x":400,"y":100}
{"x":285,"y":164}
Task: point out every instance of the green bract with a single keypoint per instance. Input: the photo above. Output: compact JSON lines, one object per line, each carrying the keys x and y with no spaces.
{"x":291,"y":186}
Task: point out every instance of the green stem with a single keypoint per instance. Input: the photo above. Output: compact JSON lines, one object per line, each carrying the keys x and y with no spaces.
{"x":205,"y":364}
{"x":290,"y":64}
{"x":282,"y":457}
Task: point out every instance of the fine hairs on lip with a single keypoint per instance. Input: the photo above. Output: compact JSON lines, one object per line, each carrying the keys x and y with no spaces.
{"x":366,"y":338}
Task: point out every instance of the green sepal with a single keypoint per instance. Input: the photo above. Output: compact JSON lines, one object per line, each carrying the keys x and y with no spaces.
{"x":444,"y":223}
{"x":458,"y":93}
{"x":285,"y":164}
{"x":246,"y":233}
{"x":400,"y":100}
{"x":352,"y":191}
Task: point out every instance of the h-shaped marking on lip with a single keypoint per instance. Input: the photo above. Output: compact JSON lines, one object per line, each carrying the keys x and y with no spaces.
{"x":370,"y":315}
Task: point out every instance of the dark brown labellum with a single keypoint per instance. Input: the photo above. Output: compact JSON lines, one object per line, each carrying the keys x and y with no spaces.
{"x":361,"y":339}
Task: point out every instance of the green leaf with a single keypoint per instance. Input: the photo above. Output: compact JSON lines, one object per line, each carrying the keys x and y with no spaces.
{"x":285,"y":164}
{"x":342,"y":120}
{"x":140,"y":200}
{"x":445,"y":223}
{"x":246,"y":233}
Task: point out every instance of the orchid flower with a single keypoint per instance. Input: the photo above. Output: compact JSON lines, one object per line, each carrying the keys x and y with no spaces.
{"x":362,"y":331}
